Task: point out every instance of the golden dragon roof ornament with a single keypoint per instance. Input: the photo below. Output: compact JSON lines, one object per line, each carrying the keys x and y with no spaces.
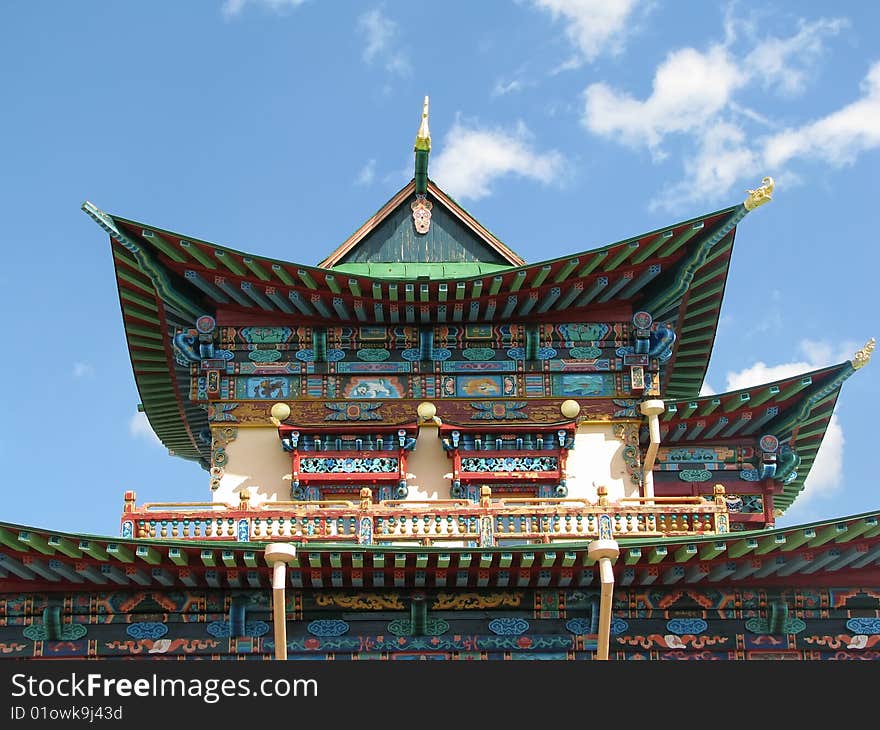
{"x":760,"y":195}
{"x":863,"y":356}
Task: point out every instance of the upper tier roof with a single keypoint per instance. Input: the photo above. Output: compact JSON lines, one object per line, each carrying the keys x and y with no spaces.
{"x":167,"y":280}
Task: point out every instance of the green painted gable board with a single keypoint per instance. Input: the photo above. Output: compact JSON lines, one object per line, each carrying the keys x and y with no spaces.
{"x":415,"y":271}
{"x":395,"y":240}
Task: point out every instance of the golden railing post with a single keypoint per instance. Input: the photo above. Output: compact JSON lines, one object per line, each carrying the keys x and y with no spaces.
{"x":278,"y":555}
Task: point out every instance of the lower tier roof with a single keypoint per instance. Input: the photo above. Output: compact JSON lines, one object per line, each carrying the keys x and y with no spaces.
{"x":845,"y":550}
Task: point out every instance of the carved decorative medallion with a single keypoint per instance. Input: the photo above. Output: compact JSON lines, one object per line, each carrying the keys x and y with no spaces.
{"x":421,"y":213}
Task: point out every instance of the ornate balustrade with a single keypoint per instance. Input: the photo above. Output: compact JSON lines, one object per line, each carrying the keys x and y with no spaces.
{"x":435,"y":522}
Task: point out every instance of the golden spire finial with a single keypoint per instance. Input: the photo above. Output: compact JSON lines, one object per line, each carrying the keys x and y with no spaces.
{"x":423,"y":138}
{"x":863,"y":356}
{"x":761,"y":195}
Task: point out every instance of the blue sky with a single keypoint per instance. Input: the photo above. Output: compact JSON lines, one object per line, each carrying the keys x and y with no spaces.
{"x":277,"y":127}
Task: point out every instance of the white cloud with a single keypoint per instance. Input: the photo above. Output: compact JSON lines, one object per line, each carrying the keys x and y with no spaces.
{"x":139,"y":427}
{"x":472,"y":158}
{"x":233,"y":8}
{"x":786,"y":63}
{"x":827,"y":471}
{"x":694,"y":99}
{"x":593,"y":26}
{"x":837,"y":138}
{"x":379,"y":33}
{"x":722,"y":157}
{"x":690,"y":88}
{"x":367,"y":173}
{"x":82,"y":369}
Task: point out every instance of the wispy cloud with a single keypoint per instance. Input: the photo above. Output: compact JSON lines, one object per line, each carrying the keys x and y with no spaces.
{"x":379,"y":35}
{"x":473,"y":157}
{"x":139,"y":427}
{"x":502,"y":88}
{"x":694,"y":99}
{"x":593,"y":27}
{"x":233,"y":8}
{"x":837,"y":138}
{"x":82,"y":370}
{"x":367,"y":173}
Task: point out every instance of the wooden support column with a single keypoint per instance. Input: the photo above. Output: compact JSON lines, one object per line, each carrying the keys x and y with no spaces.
{"x":278,"y":556}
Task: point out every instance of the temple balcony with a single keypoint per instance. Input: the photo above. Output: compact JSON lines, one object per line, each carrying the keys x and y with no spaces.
{"x":442,"y":522}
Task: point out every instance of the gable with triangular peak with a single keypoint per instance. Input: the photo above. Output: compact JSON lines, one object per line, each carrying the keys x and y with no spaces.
{"x":390,"y":244}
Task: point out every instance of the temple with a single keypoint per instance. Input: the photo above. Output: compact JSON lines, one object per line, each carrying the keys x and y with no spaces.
{"x":425,"y":447}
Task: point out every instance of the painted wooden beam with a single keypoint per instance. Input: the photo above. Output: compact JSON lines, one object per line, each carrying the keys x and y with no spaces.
{"x":566,"y":270}
{"x":574,"y":291}
{"x":646,"y":250}
{"x":672,"y":575}
{"x":41,"y":568}
{"x":770,"y":566}
{"x":746,"y":568}
{"x":162,"y":576}
{"x":822,"y":560}
{"x":64,"y":546}
{"x":711,"y":550}
{"x":90,"y":573}
{"x":657,"y":554}
{"x":540,"y":275}
{"x":795,"y":539}
{"x":722,"y":571}
{"x":196,"y":252}
{"x":609,"y":292}
{"x":93,"y":549}
{"x":122,"y":553}
{"x":518,"y":280}
{"x":632,"y":556}
{"x":695,"y":430}
{"x":640,"y":281}
{"x":855,"y":529}
{"x":685,"y":553}
{"x":590,"y":293}
{"x":178,"y":556}
{"x":10,"y":540}
{"x":681,"y":238}
{"x":828,"y":533}
{"x":770,"y":543}
{"x":742,"y":547}
{"x":148,"y":554}
{"x":256,"y":268}
{"x":228,"y":260}
{"x":282,"y":274}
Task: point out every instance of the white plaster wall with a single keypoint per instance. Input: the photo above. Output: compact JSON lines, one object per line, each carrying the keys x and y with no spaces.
{"x":428,"y":463}
{"x":597,"y":460}
{"x":255,"y":462}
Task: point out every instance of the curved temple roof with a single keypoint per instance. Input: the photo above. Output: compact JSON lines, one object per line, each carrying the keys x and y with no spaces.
{"x":167,"y":280}
{"x":796,"y":410}
{"x":845,"y":551}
